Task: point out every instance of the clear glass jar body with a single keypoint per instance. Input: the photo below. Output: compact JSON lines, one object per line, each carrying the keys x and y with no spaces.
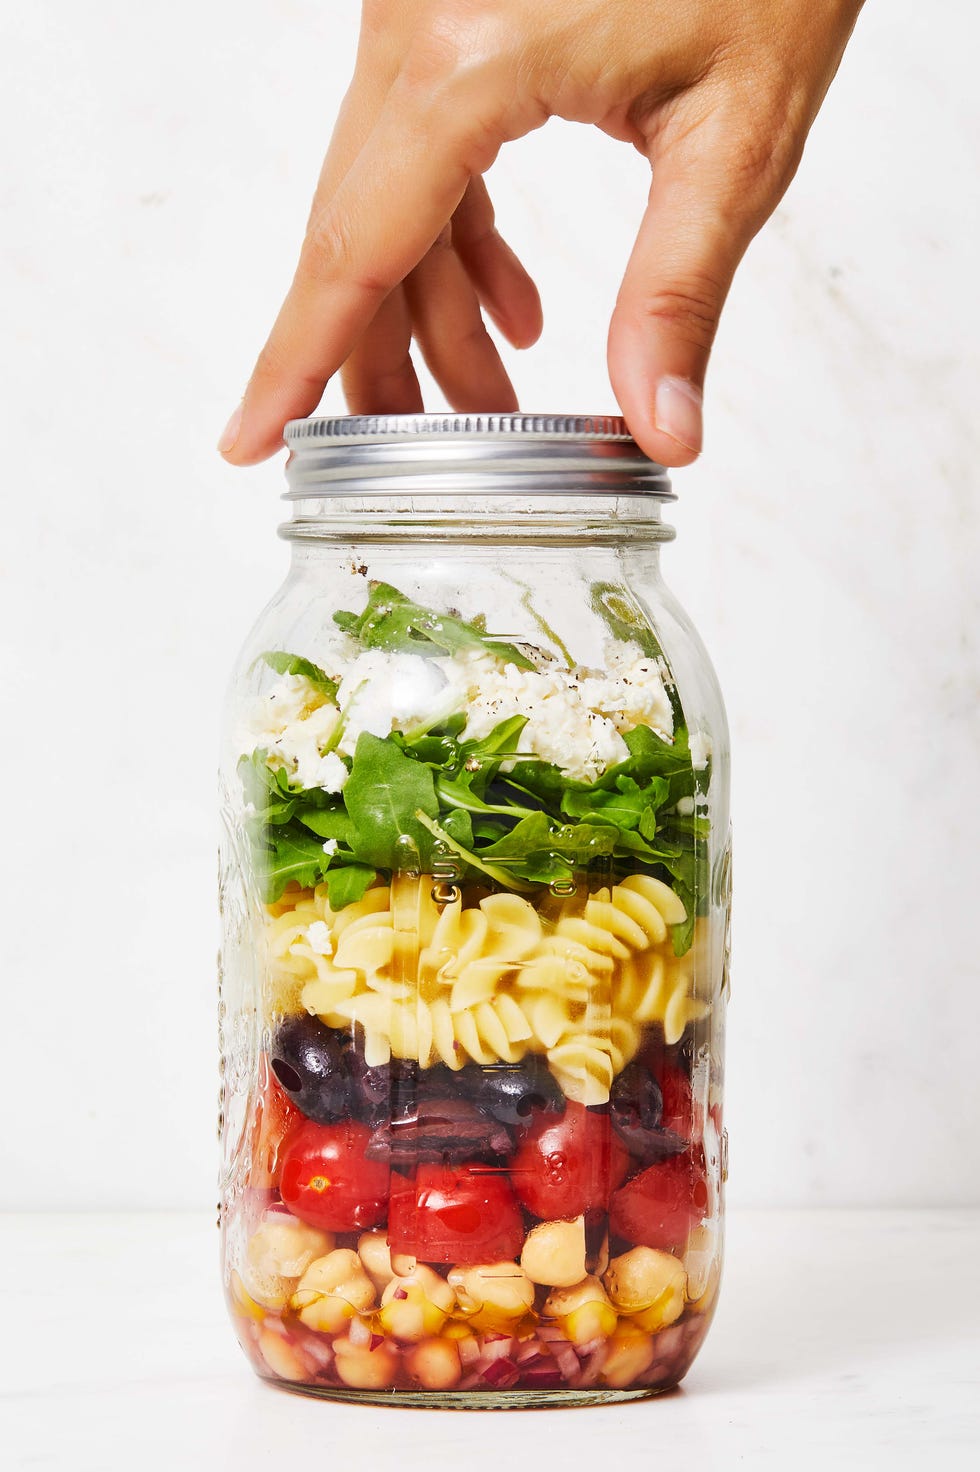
{"x":475,"y":958}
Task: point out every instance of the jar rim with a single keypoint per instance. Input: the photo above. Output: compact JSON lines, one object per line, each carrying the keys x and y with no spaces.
{"x":469,"y":454}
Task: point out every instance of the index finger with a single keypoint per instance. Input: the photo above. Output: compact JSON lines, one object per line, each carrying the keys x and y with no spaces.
{"x":394,"y":200}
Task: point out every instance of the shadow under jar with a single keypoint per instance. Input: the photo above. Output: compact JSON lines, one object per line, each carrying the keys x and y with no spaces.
{"x":474,"y":886}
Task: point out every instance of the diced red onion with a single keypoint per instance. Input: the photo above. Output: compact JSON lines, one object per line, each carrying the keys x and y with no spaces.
{"x":376,"y":1341}
{"x":278,"y":1212}
{"x":543,"y":1376}
{"x":319,"y":1351}
{"x":500,"y":1371}
{"x":592,"y":1369}
{"x":469,"y":1350}
{"x":549,"y":1333}
{"x":566,"y":1357}
{"x":584,"y":1350}
{"x":492,"y":1335}
{"x":531,"y":1350}
{"x":400,"y":1293}
{"x":359,"y":1333}
{"x":499,"y":1348}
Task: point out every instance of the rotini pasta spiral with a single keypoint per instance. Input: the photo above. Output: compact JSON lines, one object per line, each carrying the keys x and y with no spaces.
{"x":489,"y":982}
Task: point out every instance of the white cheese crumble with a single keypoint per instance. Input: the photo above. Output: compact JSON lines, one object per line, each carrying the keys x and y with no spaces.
{"x":383,"y":692}
{"x":700,"y":750}
{"x":575,"y":718}
{"x":330,"y":846}
{"x":293,"y":723}
{"x":318,"y":937}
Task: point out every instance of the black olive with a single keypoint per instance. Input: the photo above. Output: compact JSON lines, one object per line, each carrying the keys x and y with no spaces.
{"x":308,"y":1060}
{"x":446,"y":1130}
{"x":636,"y":1108}
{"x":381,"y":1090}
{"x":511,"y":1092}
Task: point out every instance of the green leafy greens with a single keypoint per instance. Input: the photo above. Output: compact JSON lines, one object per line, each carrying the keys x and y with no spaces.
{"x":505,"y":816}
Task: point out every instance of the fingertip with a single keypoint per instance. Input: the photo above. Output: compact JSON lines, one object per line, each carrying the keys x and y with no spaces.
{"x":242,"y":443}
{"x":660,"y":447}
{"x":229,"y":435}
{"x":663,"y":409}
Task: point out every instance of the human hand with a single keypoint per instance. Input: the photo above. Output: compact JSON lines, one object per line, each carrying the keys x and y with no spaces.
{"x":719,"y":95}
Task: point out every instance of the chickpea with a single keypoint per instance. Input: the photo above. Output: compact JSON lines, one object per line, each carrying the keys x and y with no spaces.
{"x":372,"y":1249}
{"x":364,"y":1368}
{"x":332,"y":1291}
{"x":244,"y":1303}
{"x":583,"y":1311}
{"x":629,"y":1352}
{"x":493,"y":1295}
{"x":434,"y":1363}
{"x":416,"y":1306}
{"x":703,"y":1263}
{"x":281,"y":1357}
{"x":649,"y":1285}
{"x":554,"y":1253}
{"x":278,"y":1254}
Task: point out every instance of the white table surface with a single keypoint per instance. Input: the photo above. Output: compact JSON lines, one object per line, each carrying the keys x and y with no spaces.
{"x":843,"y":1338}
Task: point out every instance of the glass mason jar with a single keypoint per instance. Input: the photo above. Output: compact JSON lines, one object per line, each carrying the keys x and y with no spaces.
{"x":474,"y":885}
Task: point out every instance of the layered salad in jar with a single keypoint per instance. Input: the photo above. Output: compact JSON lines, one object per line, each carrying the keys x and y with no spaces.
{"x":482,"y":1145}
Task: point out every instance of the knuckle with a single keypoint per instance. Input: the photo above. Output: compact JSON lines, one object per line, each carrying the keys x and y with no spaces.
{"x":328,"y":255}
{"x":689,"y":308}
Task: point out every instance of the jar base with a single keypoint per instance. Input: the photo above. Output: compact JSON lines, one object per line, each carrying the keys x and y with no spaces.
{"x":473,"y":1400}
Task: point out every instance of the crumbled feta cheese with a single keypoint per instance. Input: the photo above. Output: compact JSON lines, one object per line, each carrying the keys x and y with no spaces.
{"x":383,"y":692}
{"x":700,"y":749}
{"x":293,"y":723}
{"x":318,"y":937}
{"x":575,"y":718}
{"x":330,"y":846}
{"x":290,"y":699}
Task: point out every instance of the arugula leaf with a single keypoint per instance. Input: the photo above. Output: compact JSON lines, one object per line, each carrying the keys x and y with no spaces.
{"x":392,"y":621}
{"x":458,"y":794}
{"x":538,"y":851}
{"x":294,"y":664}
{"x":329,"y":823}
{"x":383,"y":794}
{"x":264,"y":791}
{"x":291,"y":855}
{"x":347,"y":885}
{"x":626,"y":803}
{"x":459,"y":826}
{"x":624,"y":618}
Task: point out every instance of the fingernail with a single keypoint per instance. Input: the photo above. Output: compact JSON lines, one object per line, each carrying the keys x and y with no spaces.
{"x":230,"y":432}
{"x":677,"y":411}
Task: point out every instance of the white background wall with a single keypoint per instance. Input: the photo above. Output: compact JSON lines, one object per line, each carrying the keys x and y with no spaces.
{"x":162,"y":161}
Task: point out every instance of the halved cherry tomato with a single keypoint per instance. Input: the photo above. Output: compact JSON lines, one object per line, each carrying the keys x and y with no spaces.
{"x":658,"y":1207}
{"x":461,"y":1214}
{"x":328,"y":1181}
{"x":273,"y":1123}
{"x":568,"y":1165}
{"x":675,"y":1086}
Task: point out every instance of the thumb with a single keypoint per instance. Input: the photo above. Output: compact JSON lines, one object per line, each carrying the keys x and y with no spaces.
{"x":692,"y":237}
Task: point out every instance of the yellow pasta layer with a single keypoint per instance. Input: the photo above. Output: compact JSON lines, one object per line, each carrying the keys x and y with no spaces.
{"x":491,"y":981}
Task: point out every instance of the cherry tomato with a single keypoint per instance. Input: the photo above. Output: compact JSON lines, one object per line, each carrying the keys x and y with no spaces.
{"x":568,"y":1165}
{"x":328,"y":1181}
{"x":455,"y":1213}
{"x":658,"y":1207}
{"x":273,"y":1123}
{"x":675,"y":1086}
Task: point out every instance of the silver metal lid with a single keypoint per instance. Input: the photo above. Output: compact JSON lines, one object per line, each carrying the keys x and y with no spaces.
{"x":467,"y":454}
